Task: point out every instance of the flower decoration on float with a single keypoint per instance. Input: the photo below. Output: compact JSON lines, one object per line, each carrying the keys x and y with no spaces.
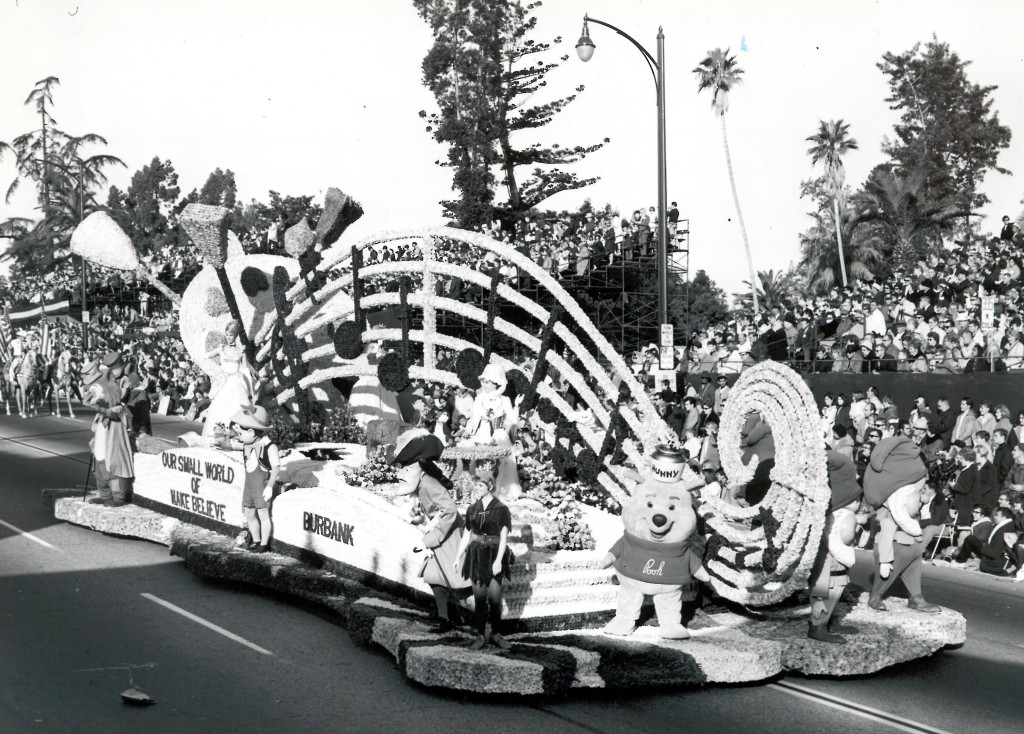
{"x":758,"y":564}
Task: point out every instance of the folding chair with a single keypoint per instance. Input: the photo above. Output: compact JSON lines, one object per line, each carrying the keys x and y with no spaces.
{"x":946,"y":531}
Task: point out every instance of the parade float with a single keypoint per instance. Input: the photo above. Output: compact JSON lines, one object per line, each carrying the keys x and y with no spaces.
{"x":342,"y":538}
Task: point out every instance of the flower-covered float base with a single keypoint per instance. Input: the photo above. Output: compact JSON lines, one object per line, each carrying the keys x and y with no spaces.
{"x":726,"y":646}
{"x":360,"y":534}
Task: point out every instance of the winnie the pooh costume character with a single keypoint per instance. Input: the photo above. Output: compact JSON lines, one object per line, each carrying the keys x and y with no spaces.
{"x":655,"y":557}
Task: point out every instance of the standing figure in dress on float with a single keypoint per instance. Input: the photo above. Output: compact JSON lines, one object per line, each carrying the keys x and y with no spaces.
{"x":494,"y":421}
{"x":369,"y":400}
{"x":235,"y":387}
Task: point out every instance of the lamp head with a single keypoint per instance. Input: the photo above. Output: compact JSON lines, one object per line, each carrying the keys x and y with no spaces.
{"x":585,"y":47}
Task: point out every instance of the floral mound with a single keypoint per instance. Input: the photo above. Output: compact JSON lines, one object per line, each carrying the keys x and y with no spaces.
{"x":763,"y":562}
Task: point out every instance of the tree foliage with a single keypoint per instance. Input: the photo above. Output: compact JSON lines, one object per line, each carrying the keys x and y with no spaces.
{"x":66,"y":181}
{"x":947,"y":125}
{"x":484,"y":69}
{"x":830,"y":143}
{"x":719,"y":73}
{"x":705,"y":301}
{"x":910,"y":219}
{"x":148,"y":210}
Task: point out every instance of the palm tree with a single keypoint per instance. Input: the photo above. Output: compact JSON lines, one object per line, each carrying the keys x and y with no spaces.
{"x":719,"y":72}
{"x":773,"y":289}
{"x":910,"y":219}
{"x":819,"y":258}
{"x":830,"y":143}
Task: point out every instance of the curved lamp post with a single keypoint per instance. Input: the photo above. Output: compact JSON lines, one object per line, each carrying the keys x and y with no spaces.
{"x":585,"y":49}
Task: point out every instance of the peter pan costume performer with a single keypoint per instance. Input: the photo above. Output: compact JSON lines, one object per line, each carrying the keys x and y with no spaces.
{"x":416,"y":452}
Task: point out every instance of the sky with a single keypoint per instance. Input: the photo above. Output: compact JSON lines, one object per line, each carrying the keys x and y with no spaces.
{"x":301,"y":95}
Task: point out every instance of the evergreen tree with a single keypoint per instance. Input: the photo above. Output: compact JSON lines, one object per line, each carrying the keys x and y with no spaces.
{"x":148,"y":210}
{"x":705,"y":302}
{"x":219,"y":189}
{"x":483,"y":69}
{"x":947,"y":125}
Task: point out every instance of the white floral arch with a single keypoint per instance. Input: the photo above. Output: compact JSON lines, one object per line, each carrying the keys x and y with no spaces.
{"x":797,"y":500}
{"x":332,"y":303}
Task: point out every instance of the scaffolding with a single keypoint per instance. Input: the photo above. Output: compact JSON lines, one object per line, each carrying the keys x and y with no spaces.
{"x":618,"y":292}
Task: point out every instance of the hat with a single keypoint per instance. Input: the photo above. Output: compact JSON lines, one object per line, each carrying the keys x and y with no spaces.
{"x":667,"y":463}
{"x":919,"y":422}
{"x":417,"y":444}
{"x":842,"y":480}
{"x":91,"y":372}
{"x":113,"y":360}
{"x":895,"y":463}
{"x":252,"y":416}
{"x":494,"y":373}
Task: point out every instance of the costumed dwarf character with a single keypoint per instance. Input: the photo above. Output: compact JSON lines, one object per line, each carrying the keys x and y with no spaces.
{"x":836,"y":556}
{"x":416,"y":452}
{"x":110,"y":444}
{"x":656,"y":555}
{"x":893,"y":481}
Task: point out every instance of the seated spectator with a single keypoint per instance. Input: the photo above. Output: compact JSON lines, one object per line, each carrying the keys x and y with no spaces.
{"x":993,"y":547}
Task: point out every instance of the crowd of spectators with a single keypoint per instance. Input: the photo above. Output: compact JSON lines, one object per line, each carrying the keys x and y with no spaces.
{"x":975,"y":459}
{"x":957,"y":311}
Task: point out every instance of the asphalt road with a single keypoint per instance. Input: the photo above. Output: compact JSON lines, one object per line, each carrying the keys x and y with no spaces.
{"x":85,"y":616}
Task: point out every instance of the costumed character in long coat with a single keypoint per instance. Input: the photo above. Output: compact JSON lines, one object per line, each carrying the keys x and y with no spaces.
{"x":416,"y":451}
{"x":836,"y":556}
{"x":494,"y":420}
{"x":892,"y":484}
{"x":235,"y":388}
{"x":110,"y":443}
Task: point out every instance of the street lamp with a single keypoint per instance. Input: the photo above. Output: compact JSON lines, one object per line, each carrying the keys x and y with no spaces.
{"x":585,"y":49}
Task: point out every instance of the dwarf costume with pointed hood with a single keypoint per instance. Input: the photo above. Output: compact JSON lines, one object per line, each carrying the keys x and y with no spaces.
{"x":836,"y":556}
{"x":892,"y":483}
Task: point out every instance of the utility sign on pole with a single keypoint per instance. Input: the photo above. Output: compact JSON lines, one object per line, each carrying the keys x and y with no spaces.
{"x":667,"y":356}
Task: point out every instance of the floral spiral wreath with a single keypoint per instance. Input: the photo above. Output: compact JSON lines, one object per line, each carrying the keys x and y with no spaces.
{"x":763,"y":565}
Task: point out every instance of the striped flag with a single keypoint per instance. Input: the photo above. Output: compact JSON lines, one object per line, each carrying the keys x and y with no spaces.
{"x":5,"y":336}
{"x":45,"y":345}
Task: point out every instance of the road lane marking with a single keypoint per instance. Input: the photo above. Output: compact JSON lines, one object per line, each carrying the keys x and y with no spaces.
{"x":30,"y":536}
{"x":857,"y":709}
{"x":219,"y":630}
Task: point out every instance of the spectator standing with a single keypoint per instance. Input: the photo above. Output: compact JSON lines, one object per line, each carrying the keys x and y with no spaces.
{"x":966,"y":423}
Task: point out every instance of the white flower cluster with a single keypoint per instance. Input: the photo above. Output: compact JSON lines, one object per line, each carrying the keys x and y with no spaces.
{"x":798,"y":497}
{"x":101,"y":241}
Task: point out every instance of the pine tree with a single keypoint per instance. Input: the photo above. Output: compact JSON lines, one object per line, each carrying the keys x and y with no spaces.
{"x":483,"y":69}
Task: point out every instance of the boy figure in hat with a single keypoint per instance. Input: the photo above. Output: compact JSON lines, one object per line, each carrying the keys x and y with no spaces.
{"x":110,"y":445}
{"x":262,"y":460}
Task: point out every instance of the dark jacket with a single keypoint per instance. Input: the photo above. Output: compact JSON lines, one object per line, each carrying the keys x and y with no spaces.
{"x":943,"y":425}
